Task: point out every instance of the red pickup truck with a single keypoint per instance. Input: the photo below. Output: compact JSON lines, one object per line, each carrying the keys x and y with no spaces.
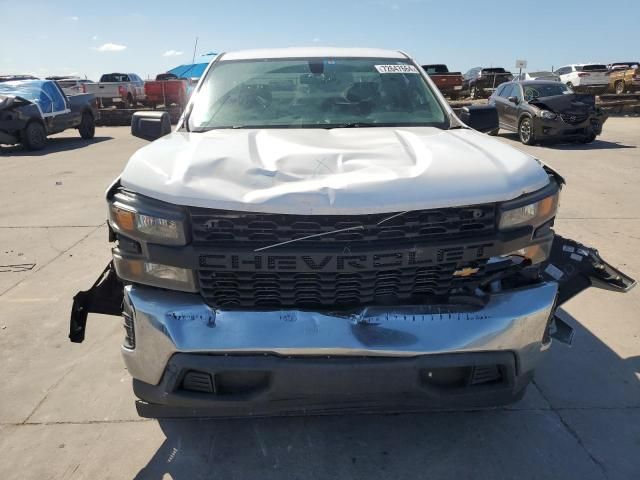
{"x":167,"y":89}
{"x":449,"y":83}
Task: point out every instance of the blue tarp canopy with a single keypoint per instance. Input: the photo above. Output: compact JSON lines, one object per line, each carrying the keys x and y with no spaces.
{"x":193,"y":70}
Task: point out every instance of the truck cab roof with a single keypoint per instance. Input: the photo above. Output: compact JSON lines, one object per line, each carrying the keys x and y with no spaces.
{"x":312,"y":52}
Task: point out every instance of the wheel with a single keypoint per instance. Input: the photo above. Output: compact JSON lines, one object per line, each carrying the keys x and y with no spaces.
{"x":473,"y":92}
{"x":128,"y":101}
{"x":87,"y":127}
{"x":570,"y":85}
{"x":34,"y":136}
{"x":619,"y":87}
{"x":493,"y":133}
{"x":525,"y":131}
{"x":453,"y":97}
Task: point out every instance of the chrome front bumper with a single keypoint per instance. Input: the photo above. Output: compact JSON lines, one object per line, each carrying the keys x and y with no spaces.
{"x":166,"y":323}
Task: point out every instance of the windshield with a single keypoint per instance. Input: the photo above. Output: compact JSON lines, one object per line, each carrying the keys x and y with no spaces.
{"x":315,"y":93}
{"x":535,"y":90}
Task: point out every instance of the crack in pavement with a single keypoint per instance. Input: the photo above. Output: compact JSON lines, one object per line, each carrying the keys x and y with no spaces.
{"x":426,"y":412}
{"x":572,"y":432}
{"x":84,"y":237}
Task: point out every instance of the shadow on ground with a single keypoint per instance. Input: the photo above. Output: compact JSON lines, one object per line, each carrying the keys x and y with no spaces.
{"x":566,"y":145}
{"x":527,"y":440}
{"x":54,"y":145}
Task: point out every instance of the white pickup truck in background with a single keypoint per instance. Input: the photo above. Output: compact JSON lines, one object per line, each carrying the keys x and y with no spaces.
{"x":126,"y":89}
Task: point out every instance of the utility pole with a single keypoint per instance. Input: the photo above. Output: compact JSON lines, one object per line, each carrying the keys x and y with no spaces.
{"x":194,"y":51}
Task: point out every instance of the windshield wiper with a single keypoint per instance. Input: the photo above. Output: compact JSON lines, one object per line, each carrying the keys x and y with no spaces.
{"x":352,"y":125}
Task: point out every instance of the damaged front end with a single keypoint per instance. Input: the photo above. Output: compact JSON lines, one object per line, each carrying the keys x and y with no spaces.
{"x":15,"y":113}
{"x":240,"y":312}
{"x":568,"y":116}
{"x":572,"y":265}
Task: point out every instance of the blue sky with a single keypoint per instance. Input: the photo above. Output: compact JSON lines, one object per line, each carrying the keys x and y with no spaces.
{"x":148,"y":37}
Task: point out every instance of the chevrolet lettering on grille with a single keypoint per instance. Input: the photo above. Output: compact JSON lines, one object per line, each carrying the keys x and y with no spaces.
{"x":351,"y":262}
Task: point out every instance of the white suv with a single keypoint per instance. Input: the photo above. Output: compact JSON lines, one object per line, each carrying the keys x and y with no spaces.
{"x":590,"y":77}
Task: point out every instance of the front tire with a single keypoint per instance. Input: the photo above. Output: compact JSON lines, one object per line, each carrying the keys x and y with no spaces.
{"x":87,"y":128}
{"x":473,"y":92}
{"x":493,"y":133}
{"x":525,"y":131}
{"x":619,"y":87}
{"x":34,"y":136}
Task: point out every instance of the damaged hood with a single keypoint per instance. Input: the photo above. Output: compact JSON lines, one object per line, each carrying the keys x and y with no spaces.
{"x":566,"y":102}
{"x":337,"y":171}
{"x":8,"y":101}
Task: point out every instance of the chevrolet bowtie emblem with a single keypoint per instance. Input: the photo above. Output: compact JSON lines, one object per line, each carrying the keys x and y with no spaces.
{"x":465,"y":272}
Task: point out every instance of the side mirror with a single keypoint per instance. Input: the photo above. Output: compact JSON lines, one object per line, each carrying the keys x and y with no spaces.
{"x":513,"y":100}
{"x":150,"y":125}
{"x":483,"y":118}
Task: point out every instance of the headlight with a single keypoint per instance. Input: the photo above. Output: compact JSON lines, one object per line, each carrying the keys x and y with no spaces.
{"x":547,"y":114}
{"x":535,"y":213}
{"x":154,"y":274}
{"x":161,"y":229}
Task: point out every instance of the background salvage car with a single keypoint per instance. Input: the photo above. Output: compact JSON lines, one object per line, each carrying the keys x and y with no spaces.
{"x":72,"y":85}
{"x":591,"y":77}
{"x":541,"y":110}
{"x":624,"y":77}
{"x":124,"y":89}
{"x":32,"y":109}
{"x":480,"y":82}
{"x":538,"y":76}
{"x":449,"y":83}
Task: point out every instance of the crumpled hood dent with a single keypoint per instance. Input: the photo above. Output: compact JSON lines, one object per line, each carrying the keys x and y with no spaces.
{"x":338,"y":171}
{"x":565,"y":103}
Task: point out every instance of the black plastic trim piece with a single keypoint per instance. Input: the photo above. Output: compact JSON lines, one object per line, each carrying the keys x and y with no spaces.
{"x":322,"y":385}
{"x":105,"y":297}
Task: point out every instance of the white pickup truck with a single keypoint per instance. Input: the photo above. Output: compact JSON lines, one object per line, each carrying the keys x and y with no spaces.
{"x":123,"y":89}
{"x":323,"y":233}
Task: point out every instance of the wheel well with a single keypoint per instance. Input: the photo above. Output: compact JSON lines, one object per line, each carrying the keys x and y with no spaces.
{"x":33,"y":120}
{"x":523,"y":116}
{"x":18,"y":134}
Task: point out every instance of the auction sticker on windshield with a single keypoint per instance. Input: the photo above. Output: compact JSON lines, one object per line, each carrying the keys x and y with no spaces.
{"x":396,"y":69}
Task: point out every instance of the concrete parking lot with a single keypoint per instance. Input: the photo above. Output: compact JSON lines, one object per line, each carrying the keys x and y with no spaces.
{"x":67,"y":411}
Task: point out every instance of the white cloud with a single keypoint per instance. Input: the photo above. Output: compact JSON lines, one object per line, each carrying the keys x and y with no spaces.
{"x":111,"y":47}
{"x":171,"y":53}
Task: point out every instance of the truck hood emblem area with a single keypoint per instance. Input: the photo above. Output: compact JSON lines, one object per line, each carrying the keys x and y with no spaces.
{"x":331,"y":171}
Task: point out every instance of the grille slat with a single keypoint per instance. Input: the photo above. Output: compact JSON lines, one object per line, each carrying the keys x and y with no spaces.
{"x":226,"y":228}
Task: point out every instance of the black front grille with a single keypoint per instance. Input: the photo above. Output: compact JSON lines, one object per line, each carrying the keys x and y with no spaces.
{"x":573,"y":118}
{"x":376,"y":263}
{"x":328,"y":289}
{"x":227,"y":228}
